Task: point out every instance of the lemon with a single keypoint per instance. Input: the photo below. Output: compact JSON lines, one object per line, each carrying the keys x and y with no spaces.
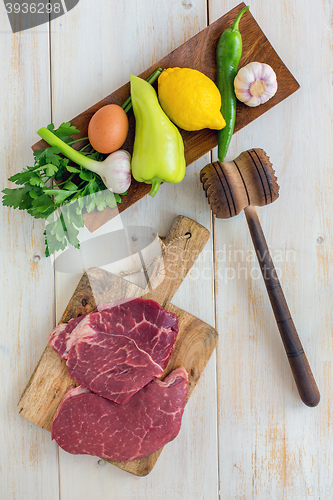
{"x":190,"y":99}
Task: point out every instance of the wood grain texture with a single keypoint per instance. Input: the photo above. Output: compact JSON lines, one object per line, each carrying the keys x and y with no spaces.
{"x":198,"y":53}
{"x":178,"y":258}
{"x":28,"y":464}
{"x":232,"y":186}
{"x":194,"y":346}
{"x":271,"y":445}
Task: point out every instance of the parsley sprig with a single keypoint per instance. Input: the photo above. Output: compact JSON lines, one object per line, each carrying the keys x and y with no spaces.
{"x":76,"y":191}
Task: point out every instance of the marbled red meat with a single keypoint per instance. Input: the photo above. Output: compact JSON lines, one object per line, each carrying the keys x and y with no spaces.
{"x":118,"y":350}
{"x":86,"y":423}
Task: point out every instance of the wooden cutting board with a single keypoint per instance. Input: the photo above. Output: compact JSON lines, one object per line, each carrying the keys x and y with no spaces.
{"x":195,"y":343}
{"x":197,"y":53}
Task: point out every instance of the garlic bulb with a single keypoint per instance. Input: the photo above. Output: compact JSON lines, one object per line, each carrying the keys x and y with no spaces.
{"x":255,"y":84}
{"x":115,"y":171}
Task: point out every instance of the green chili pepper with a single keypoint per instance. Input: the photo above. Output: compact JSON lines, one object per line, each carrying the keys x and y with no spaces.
{"x":228,"y":54}
{"x":158,"y":153}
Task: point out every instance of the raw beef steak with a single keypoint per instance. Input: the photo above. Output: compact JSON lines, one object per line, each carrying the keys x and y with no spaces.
{"x":111,"y":365}
{"x":153,"y":329}
{"x":118,"y":350}
{"x":86,"y":423}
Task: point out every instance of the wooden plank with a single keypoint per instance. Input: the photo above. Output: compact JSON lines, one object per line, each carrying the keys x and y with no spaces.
{"x":28,"y":461}
{"x":198,"y":53}
{"x":271,"y":444}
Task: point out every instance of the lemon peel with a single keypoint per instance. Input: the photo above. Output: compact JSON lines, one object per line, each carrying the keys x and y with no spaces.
{"x":190,"y":99}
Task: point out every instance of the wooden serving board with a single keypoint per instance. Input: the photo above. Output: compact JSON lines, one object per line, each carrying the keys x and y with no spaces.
{"x":195,"y":343}
{"x":197,"y":53}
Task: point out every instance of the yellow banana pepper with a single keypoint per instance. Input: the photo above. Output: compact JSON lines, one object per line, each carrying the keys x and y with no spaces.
{"x":158,"y":154}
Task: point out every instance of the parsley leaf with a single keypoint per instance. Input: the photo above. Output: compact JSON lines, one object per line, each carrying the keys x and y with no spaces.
{"x":43,"y":204}
{"x":21,"y":177}
{"x":36,"y":180}
{"x":51,"y":169}
{"x":73,"y":169}
{"x":86,"y":175}
{"x":13,"y":197}
{"x":64,"y":132}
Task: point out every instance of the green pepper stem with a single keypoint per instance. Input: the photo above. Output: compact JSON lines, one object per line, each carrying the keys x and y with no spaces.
{"x":155,"y":184}
{"x":234,"y":27}
{"x":127,"y":106}
{"x":153,"y":77}
{"x":68,"y":151}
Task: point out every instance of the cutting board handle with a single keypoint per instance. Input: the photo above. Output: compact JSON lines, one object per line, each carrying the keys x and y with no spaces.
{"x":182,"y":245}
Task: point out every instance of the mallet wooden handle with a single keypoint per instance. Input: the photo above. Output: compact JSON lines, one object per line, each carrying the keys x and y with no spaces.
{"x":299,"y":364}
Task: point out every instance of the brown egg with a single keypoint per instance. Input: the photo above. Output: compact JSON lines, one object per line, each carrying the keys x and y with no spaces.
{"x":108,"y":128}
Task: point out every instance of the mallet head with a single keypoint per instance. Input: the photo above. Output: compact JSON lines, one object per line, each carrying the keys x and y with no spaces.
{"x":232,"y":186}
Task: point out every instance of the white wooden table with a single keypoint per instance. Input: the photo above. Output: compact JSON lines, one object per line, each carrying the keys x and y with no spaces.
{"x":245,"y":434}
